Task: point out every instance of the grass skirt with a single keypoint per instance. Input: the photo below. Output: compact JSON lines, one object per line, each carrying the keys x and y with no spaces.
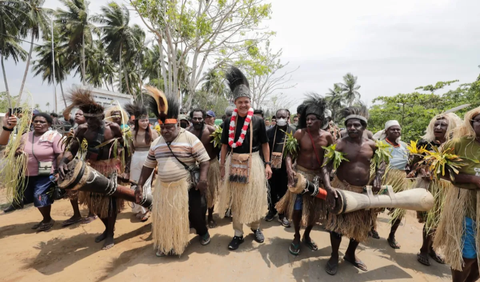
{"x":458,"y":204}
{"x":170,"y":223}
{"x":313,"y":210}
{"x":99,"y":204}
{"x":213,"y":182}
{"x":438,"y":188}
{"x":399,"y":182}
{"x":354,"y":225}
{"x":248,"y":201}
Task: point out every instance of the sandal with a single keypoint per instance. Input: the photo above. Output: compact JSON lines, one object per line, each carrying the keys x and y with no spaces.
{"x":89,"y":219}
{"x":423,"y":259}
{"x":331,"y":269}
{"x":145,"y":217}
{"x":357,"y":263}
{"x":393,"y":243}
{"x":294,"y":249}
{"x":37,"y":225}
{"x":374,"y":234}
{"x":46,"y":226}
{"x":310,"y":244}
{"x":71,"y":221}
{"x":437,"y":258}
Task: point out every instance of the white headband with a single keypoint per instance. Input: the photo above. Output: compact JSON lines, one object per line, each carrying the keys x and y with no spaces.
{"x":391,"y":123}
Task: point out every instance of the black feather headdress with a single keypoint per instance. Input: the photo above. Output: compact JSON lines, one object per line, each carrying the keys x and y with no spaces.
{"x":360,"y":113}
{"x":162,"y":106}
{"x":314,"y":104}
{"x":136,"y":110}
{"x":83,"y":100}
{"x":238,"y":83}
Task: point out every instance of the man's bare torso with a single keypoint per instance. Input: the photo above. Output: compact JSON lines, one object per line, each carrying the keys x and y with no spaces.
{"x":357,"y":170}
{"x":206,"y":139}
{"x":307,"y":157}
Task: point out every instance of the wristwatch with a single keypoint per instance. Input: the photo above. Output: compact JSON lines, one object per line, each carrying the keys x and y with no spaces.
{"x":268,"y":163}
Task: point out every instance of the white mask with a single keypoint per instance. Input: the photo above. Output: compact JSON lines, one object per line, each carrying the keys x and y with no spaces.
{"x":281,"y":122}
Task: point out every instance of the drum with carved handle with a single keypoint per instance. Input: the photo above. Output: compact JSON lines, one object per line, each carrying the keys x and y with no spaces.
{"x":82,"y":177}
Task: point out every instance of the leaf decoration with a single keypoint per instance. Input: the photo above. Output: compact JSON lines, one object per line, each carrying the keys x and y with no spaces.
{"x":291,"y":145}
{"x":332,"y":155}
{"x":217,"y":137}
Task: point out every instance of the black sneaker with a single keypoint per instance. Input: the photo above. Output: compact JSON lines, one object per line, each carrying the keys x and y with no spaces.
{"x":236,"y":241}
{"x":258,"y":235}
{"x":284,"y":222}
{"x":205,"y":239}
{"x":270,"y":216}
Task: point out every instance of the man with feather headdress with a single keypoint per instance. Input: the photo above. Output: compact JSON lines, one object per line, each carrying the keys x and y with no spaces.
{"x":303,"y":209}
{"x":352,"y":174}
{"x":176,"y":198}
{"x":100,"y":143}
{"x":204,"y":133}
{"x":244,"y":174}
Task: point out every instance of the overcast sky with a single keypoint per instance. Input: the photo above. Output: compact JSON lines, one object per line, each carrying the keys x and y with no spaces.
{"x":392,"y":46}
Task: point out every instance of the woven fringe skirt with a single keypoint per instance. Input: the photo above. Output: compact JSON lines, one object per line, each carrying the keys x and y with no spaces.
{"x":313,"y":210}
{"x":170,"y":223}
{"x":248,"y":201}
{"x":213,"y":182}
{"x":458,"y":204}
{"x":355,"y":225}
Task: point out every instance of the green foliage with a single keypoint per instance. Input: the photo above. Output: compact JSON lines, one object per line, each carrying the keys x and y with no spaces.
{"x":333,"y":156}
{"x":291,"y":145}
{"x":415,"y":110}
{"x":217,"y":137}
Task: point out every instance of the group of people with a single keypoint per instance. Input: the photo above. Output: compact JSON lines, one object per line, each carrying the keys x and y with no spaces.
{"x":258,"y":171}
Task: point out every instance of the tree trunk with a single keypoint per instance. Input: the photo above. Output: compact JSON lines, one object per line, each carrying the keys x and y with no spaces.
{"x":26,"y":70}
{"x":6,"y":82}
{"x":63,"y":94}
{"x":83,"y":59}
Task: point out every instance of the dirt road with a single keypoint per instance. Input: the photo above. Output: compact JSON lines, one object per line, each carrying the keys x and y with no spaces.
{"x":70,"y":254}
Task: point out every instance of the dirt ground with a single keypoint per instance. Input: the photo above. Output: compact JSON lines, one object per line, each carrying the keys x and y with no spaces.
{"x":70,"y":254}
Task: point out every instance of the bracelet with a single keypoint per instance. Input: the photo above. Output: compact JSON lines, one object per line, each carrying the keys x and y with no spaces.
{"x":7,"y":129}
{"x":268,"y":163}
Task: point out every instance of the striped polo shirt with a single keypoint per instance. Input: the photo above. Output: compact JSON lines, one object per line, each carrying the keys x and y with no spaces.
{"x":187,"y":147}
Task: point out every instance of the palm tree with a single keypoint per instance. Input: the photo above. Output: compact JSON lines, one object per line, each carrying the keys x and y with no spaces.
{"x":100,"y":69}
{"x":335,"y":99}
{"x":76,"y":28}
{"x":10,"y":14}
{"x":214,"y":83}
{"x":63,"y":62}
{"x":12,"y":49}
{"x":349,"y":88}
{"x":36,"y":21}
{"x":120,"y":39}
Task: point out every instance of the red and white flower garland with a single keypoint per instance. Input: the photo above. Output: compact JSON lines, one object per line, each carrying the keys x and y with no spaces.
{"x":231,"y":130}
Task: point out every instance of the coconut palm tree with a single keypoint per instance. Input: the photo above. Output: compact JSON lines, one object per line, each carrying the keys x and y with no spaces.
{"x":10,"y":14}
{"x":121,"y":40}
{"x":335,"y":100}
{"x":11,"y":48}
{"x":63,"y":62}
{"x":36,"y":22}
{"x":350,"y":88}
{"x":77,"y":28}
{"x":100,"y":69}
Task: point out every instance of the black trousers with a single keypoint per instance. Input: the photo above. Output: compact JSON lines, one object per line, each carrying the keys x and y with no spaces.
{"x":277,"y":186}
{"x":197,"y":210}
